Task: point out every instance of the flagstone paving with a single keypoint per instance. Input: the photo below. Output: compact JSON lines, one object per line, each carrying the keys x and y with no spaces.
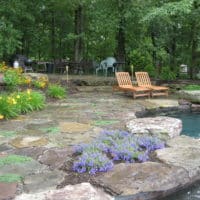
{"x":47,"y":136}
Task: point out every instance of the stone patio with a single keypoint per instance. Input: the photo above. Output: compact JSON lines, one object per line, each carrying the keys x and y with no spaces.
{"x":48,"y":136}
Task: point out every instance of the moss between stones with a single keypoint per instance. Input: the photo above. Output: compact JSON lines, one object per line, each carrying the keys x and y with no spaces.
{"x":51,"y":130}
{"x":13,"y":159}
{"x":10,"y":178}
{"x":105,"y":122}
{"x":8,"y":134}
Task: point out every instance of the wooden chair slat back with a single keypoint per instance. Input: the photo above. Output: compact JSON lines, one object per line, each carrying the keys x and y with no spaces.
{"x":143,"y":79}
{"x":123,"y":79}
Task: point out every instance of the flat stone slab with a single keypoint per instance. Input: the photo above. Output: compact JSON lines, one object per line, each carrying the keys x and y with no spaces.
{"x":55,"y":157}
{"x":71,"y":127}
{"x":70,"y":139}
{"x":159,"y":103}
{"x":149,"y":125}
{"x":183,"y":152}
{"x":24,"y":169}
{"x":33,"y":152}
{"x":193,"y":96}
{"x":83,"y":191}
{"x":42,"y":181}
{"x":29,"y":141}
{"x":143,"y":181}
{"x":7,"y":190}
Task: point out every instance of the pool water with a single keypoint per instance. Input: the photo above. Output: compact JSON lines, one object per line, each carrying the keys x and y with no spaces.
{"x":191,"y":127}
{"x":191,"y":123}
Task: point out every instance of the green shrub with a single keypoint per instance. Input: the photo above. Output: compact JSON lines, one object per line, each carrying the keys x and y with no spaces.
{"x":167,"y":74}
{"x":37,"y":100}
{"x":192,"y":87}
{"x":151,"y":70}
{"x":11,"y":79}
{"x":21,"y":102}
{"x":56,"y":91}
{"x":8,"y":107}
{"x":140,"y":59}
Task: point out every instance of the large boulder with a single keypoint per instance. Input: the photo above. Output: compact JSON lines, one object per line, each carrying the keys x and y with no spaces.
{"x":144,"y":181}
{"x":193,"y":96}
{"x":83,"y":191}
{"x":183,"y":152}
{"x":167,"y":126}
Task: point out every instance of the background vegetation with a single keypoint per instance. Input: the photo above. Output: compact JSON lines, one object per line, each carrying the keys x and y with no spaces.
{"x":151,"y":34}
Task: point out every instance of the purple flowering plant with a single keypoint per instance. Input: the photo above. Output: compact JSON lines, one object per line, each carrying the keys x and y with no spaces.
{"x":111,"y":146}
{"x":93,"y":162}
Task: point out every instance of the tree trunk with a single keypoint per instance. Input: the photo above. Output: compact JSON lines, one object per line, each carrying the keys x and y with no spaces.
{"x":120,"y":50}
{"x":193,"y":52}
{"x":53,"y":37}
{"x":78,"y":43}
{"x":154,"y":56}
{"x":173,"y":50}
{"x":120,"y":36}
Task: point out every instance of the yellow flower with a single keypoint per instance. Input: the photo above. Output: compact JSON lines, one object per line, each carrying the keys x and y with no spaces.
{"x":18,"y":97}
{"x":28,"y":91}
{"x":14,"y":101}
{"x":0,"y":98}
{"x":1,"y":116}
{"x":42,"y":84}
{"x":28,"y":80}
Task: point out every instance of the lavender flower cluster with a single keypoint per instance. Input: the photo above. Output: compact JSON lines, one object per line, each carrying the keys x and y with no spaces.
{"x":111,"y":146}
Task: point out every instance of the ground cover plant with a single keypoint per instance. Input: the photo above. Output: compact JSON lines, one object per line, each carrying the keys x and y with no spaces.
{"x":56,"y":91}
{"x":9,"y":178}
{"x":192,"y":87}
{"x":111,"y":147}
{"x":13,"y":159}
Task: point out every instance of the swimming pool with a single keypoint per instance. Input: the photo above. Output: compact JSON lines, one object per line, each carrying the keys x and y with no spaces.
{"x":191,"y":123}
{"x":191,"y":127}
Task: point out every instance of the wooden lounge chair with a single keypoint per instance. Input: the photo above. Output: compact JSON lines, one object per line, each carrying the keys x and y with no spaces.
{"x":125,"y":84}
{"x":143,"y":80}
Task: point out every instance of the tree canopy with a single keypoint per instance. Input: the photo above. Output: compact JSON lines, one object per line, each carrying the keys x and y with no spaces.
{"x":150,"y":34}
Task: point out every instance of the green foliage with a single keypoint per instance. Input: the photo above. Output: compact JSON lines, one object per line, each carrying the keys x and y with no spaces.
{"x":151,"y":70}
{"x":51,"y":130}
{"x":105,"y":122}
{"x":11,"y":79}
{"x":192,"y":87}
{"x":10,"y":178}
{"x":170,"y":9}
{"x":56,"y":91}
{"x":8,"y":134}
{"x":167,"y":74}
{"x":140,"y":59}
{"x":13,"y":159}
{"x":22,"y":102}
{"x":8,"y":107}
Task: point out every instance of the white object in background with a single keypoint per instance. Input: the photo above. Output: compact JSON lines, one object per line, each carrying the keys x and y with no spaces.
{"x":16,"y":64}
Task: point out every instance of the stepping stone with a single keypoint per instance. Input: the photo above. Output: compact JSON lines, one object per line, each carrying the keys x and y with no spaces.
{"x":7,"y":190}
{"x":55,"y":157}
{"x":21,"y":142}
{"x":33,"y":152}
{"x":24,"y":169}
{"x":49,"y":180}
{"x":71,"y":127}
